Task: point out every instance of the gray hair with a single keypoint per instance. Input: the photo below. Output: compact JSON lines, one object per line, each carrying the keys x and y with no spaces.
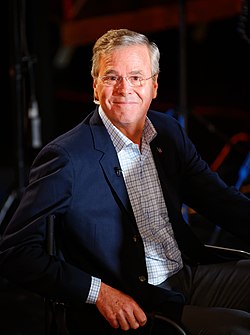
{"x":114,"y":39}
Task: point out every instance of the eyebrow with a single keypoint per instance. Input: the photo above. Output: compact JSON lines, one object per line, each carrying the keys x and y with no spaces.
{"x":110,"y":72}
{"x":116,"y":73}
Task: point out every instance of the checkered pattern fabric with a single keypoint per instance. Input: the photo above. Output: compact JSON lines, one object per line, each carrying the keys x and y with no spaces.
{"x":163,"y":258}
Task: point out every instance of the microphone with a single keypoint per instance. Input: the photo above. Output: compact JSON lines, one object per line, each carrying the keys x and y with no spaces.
{"x":159,"y":150}
{"x":118,"y":171}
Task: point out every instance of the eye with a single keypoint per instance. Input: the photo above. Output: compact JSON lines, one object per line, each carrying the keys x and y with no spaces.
{"x":135,"y":78}
{"x":111,"y":78}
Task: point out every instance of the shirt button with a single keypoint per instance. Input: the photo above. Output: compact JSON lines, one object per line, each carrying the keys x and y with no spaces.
{"x":142,"y":278}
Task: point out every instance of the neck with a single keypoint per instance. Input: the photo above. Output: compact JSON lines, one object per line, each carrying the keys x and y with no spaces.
{"x":134,"y":134}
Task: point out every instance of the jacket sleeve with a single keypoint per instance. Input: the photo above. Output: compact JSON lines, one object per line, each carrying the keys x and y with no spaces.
{"x":190,"y":180}
{"x":207,"y":193}
{"x":23,"y":256}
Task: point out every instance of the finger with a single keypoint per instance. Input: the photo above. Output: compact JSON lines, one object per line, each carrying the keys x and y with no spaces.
{"x":128,"y":320}
{"x":143,"y":322}
{"x":113,"y":321}
{"x":114,"y":324}
{"x":141,"y":317}
{"x":123,"y":322}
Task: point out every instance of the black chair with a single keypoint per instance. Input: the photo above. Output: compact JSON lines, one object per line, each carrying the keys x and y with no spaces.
{"x":55,"y":312}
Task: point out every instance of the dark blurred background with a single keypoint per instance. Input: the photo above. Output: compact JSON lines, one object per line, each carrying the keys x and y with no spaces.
{"x":47,"y":89}
{"x":204,"y":78}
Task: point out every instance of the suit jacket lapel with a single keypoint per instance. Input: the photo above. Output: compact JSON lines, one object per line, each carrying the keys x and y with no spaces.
{"x":109,"y":160}
{"x":182,"y":231}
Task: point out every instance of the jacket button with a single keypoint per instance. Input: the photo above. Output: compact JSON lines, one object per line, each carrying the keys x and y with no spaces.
{"x":135,"y":238}
{"x":142,"y":278}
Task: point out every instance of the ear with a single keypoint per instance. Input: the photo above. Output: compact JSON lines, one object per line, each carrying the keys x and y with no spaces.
{"x":95,"y":89}
{"x":155,"y":87}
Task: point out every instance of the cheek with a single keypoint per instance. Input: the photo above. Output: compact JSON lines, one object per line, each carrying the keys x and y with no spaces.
{"x":103,"y":93}
{"x":96,"y":94}
{"x":105,"y":97}
{"x":147,"y":94}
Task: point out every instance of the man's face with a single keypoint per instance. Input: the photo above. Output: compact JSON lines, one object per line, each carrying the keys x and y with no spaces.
{"x":123,"y":104}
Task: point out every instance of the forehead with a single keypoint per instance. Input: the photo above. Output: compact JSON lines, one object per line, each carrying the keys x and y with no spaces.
{"x":126,"y":58}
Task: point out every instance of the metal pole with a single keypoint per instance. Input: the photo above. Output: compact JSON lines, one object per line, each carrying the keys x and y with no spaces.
{"x":182,"y":113}
{"x":16,"y":8}
{"x":16,"y":71}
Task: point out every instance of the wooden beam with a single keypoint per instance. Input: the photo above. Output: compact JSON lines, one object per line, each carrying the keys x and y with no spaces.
{"x":151,"y":19}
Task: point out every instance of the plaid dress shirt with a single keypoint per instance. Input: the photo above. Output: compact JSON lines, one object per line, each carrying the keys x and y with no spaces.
{"x":163,"y":257}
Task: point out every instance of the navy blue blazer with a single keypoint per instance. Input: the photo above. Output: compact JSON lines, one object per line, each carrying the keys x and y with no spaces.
{"x":75,"y":177}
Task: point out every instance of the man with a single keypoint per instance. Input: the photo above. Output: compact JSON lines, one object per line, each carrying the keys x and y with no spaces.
{"x":116,"y":184}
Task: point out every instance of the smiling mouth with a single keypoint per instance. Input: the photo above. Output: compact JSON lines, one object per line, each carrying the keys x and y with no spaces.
{"x":125,"y":102}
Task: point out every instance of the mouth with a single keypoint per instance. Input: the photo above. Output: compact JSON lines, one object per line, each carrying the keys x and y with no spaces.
{"x":125,"y":102}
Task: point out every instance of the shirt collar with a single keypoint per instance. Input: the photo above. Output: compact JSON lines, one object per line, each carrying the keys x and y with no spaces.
{"x":119,"y":139}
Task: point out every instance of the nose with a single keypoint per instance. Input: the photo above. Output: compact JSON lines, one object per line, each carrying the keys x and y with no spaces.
{"x":123,"y":85}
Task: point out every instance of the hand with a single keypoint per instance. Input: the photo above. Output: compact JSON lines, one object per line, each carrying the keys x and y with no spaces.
{"x":119,"y":309}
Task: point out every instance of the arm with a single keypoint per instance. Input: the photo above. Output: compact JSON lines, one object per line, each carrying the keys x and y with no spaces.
{"x":25,"y":261}
{"x":206,"y":192}
{"x":190,"y":180}
{"x":23,"y":258}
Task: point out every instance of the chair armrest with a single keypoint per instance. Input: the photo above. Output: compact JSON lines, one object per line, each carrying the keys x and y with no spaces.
{"x":171,"y":323}
{"x":241,"y":254}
